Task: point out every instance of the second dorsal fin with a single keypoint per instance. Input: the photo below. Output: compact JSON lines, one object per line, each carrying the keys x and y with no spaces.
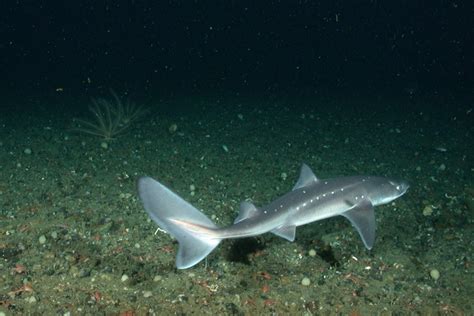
{"x":247,"y":210}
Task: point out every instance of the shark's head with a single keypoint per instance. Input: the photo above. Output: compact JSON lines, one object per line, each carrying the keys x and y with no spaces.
{"x":386,"y":190}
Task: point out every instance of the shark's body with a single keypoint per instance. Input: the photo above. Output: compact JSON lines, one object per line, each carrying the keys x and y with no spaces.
{"x":310,"y":200}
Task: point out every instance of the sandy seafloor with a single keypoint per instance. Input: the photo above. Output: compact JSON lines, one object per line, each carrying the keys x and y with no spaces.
{"x":100,"y":253}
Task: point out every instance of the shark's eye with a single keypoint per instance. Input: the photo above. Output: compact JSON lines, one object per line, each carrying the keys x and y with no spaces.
{"x":399,"y":187}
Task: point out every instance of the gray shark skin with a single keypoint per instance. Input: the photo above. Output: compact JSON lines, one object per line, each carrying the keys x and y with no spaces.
{"x":310,"y":200}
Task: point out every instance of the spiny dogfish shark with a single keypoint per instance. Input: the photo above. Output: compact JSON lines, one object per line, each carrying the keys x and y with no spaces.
{"x":311,"y":200}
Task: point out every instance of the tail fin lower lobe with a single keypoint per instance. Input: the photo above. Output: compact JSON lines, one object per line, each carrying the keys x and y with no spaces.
{"x":167,"y":210}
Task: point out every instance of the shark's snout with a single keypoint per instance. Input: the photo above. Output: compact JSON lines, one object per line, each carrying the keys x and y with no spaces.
{"x":401,"y":186}
{"x":404,"y":186}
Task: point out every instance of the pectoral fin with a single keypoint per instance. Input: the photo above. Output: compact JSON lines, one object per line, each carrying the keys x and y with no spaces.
{"x":362,"y":217}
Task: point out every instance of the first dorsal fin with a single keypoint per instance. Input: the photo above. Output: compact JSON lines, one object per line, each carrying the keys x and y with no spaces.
{"x":306,"y":178}
{"x":247,"y":209}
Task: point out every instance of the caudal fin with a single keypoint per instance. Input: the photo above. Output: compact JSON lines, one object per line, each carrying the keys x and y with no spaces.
{"x":181,"y":220}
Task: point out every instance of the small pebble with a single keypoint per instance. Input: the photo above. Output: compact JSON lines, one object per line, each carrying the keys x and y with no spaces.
{"x":427,"y":211}
{"x":84,"y":273}
{"x":27,"y":151}
{"x":31,"y":299}
{"x":434,"y":274}
{"x":173,"y":128}
{"x":312,"y":253}
{"x":42,"y":239}
{"x":147,"y":294}
{"x":283,"y":176}
{"x":306,"y":281}
{"x":157,"y":278}
{"x":124,"y":278}
{"x":125,"y":196}
{"x":54,"y":234}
